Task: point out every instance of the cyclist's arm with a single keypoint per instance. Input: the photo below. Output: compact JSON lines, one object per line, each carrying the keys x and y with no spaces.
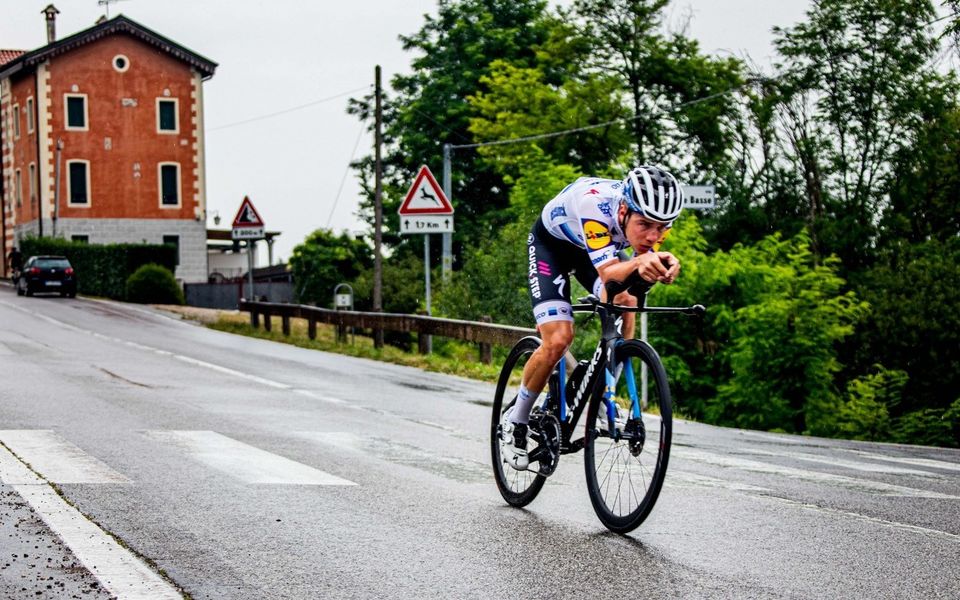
{"x":650,"y":266}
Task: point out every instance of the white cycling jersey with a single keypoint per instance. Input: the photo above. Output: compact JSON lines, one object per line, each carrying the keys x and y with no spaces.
{"x":585,"y":214}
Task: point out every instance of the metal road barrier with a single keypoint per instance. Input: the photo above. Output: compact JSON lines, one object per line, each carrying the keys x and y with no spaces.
{"x":484,"y":334}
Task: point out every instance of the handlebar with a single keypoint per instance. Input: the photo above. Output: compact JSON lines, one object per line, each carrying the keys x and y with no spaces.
{"x":591,"y":303}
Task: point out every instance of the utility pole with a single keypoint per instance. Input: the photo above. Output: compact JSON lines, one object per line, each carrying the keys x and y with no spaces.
{"x":447,"y":260}
{"x":378,"y":214}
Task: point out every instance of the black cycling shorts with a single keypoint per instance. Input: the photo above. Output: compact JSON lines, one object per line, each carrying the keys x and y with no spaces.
{"x":551,"y":260}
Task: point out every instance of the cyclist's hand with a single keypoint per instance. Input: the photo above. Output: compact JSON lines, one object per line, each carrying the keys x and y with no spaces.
{"x":669,"y":261}
{"x":655,"y":267}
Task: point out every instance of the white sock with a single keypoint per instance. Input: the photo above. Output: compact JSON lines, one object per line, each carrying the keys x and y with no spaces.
{"x":525,"y":401}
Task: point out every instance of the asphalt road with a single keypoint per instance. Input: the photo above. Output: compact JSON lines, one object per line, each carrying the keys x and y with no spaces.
{"x":230,"y":467}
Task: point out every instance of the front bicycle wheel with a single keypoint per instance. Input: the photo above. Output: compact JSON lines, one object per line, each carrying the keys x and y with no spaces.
{"x":518,"y":488}
{"x":625,"y":464}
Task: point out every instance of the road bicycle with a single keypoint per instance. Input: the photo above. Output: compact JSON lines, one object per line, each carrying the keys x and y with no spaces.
{"x":626,"y":448}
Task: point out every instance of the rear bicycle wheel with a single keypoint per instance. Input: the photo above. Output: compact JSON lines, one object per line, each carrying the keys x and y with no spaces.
{"x":518,"y":488}
{"x":625,"y":469}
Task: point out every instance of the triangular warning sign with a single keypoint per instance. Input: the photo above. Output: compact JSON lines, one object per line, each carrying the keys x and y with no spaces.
{"x":247,"y":216}
{"x":425,"y":197}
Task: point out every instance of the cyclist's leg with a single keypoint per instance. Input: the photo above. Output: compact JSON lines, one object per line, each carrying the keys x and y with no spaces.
{"x":556,"y":336}
{"x":549,"y":285}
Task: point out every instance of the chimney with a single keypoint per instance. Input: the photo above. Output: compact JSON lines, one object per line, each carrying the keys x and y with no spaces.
{"x":51,"y":12}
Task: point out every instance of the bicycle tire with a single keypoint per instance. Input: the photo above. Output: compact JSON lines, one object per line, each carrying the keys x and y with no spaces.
{"x":614,"y":470}
{"x":518,"y":488}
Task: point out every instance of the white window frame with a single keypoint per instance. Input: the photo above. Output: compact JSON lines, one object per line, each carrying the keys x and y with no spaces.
{"x":18,"y":186}
{"x":176,"y":116}
{"x":16,"y":121}
{"x":30,"y":124}
{"x":126,"y":66}
{"x":70,"y":201}
{"x":160,"y":167}
{"x":66,"y":112}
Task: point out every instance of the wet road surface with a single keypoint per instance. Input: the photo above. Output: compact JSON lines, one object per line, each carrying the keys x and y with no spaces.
{"x":238,"y":468}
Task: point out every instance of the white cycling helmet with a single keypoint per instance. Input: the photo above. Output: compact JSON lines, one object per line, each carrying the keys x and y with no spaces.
{"x":654,"y":193}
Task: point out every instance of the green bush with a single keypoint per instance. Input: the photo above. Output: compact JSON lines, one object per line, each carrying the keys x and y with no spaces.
{"x":153,"y":284}
{"x":102,"y":269}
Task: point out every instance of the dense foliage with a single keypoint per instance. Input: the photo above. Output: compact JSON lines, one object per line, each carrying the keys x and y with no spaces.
{"x":102,"y":269}
{"x":153,"y":284}
{"x":830,"y":266}
{"x":322,"y":261}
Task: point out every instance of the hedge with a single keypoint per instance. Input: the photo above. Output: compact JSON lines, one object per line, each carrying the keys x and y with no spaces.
{"x":102,"y":269}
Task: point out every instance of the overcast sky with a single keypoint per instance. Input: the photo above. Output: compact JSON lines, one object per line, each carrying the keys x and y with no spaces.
{"x":278,"y":55}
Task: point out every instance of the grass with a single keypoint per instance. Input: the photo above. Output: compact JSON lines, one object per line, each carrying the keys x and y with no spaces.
{"x":449,"y":356}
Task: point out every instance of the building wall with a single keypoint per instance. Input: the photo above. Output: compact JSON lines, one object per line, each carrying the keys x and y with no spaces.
{"x":123,"y":145}
{"x":192,"y":243}
{"x":121,"y":142}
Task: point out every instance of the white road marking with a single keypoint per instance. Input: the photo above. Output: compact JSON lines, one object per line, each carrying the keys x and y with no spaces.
{"x":917,"y":462}
{"x":243,"y":461}
{"x":56,"y":459}
{"x":847,"y":464}
{"x":121,"y":573}
{"x":850,"y":483}
{"x":688,"y":478}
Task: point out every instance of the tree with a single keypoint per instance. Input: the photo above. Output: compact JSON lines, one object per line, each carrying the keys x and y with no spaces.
{"x":679,"y":98}
{"x":767,"y":357}
{"x":914,"y":324}
{"x":325,"y":259}
{"x":521,"y":101}
{"x":456,"y":49}
{"x":854,"y":79}
{"x":925,"y":183}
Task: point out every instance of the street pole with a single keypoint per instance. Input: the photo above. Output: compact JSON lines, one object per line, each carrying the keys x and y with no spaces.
{"x":378,"y":214}
{"x":447,"y":261}
{"x":251,"y":296}
{"x":426,"y":280}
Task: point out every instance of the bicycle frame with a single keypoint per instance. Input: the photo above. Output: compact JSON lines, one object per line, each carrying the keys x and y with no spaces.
{"x":603,"y":361}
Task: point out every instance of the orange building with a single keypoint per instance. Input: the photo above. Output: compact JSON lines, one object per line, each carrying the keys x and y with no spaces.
{"x":102,"y":141}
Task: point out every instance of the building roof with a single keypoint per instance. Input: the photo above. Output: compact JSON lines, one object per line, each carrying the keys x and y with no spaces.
{"x":8,"y":55}
{"x":119,"y":24}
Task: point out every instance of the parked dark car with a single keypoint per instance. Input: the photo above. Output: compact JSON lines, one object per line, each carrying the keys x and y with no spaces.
{"x":51,"y":274}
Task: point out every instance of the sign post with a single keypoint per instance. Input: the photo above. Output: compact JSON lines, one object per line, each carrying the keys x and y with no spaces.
{"x":426,"y":210}
{"x":248,"y":225}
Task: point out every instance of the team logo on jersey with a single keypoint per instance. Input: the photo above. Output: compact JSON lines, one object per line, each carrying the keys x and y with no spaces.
{"x":596,"y":233}
{"x":605,"y":208}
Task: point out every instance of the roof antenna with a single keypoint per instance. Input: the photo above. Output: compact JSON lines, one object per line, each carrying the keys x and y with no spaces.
{"x":106,"y":4}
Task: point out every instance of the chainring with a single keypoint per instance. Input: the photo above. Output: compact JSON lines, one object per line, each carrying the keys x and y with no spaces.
{"x":545,"y":429}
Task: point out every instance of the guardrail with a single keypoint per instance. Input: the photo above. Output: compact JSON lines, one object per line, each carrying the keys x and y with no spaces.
{"x":484,"y":334}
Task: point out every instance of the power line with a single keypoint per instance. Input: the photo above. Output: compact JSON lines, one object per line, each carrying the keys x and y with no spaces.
{"x":289,"y":110}
{"x":347,"y":171}
{"x":540,"y":136}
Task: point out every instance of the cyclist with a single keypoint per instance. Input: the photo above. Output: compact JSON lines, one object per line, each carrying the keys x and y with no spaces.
{"x":15,"y":259}
{"x":584,"y":230}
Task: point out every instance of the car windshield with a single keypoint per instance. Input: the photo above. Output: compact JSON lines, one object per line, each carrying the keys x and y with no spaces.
{"x":52,"y":263}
